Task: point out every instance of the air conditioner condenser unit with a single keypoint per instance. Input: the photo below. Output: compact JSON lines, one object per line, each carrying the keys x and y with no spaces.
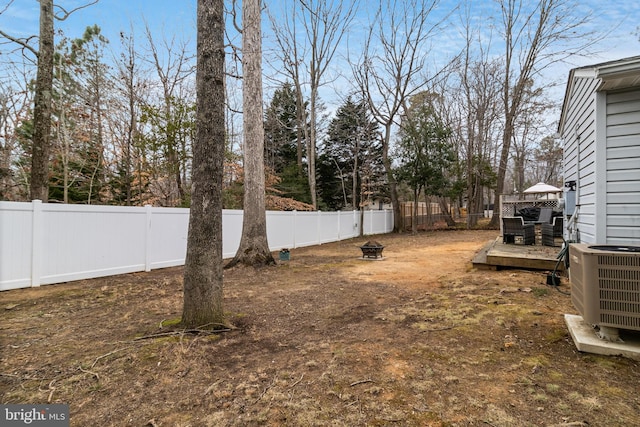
{"x":605,"y":286}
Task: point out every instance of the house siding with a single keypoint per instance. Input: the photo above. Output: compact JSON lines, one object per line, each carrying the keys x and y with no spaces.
{"x":622,"y":166}
{"x":579,"y":154}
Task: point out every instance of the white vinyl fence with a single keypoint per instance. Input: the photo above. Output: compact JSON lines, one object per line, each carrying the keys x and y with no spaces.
{"x":43,"y":243}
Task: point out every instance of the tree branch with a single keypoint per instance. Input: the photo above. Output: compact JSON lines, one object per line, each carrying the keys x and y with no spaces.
{"x":66,"y":14}
{"x":22,"y":42}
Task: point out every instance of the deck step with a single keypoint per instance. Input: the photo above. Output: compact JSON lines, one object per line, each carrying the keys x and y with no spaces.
{"x":498,"y":255}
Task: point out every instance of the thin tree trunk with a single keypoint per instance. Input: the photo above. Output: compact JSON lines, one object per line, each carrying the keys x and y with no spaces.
{"x":97,"y":108}
{"x":393,"y":189}
{"x":354,"y":178}
{"x":300,"y":116}
{"x":502,"y":170}
{"x":311,"y":144}
{"x":414,"y":213}
{"x":127,"y":154}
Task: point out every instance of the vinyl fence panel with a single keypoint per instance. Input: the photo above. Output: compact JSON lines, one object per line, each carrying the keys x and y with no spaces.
{"x":374,"y":221}
{"x":231,"y":232}
{"x":42,"y":243}
{"x":306,"y":226}
{"x":168,"y":242}
{"x":281,"y":229}
{"x":93,"y":241}
{"x":16,"y":224}
{"x":328,"y":227}
{"x":350,"y":224}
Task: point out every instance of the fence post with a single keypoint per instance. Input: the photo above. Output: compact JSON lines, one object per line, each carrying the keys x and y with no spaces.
{"x":368,"y":221}
{"x":353,"y":224}
{"x":295,"y":228}
{"x":318,"y":225}
{"x":36,"y":242}
{"x":147,"y":238}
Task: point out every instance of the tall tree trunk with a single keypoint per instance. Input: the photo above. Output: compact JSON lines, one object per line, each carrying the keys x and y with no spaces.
{"x":203,"y":263}
{"x":354,"y":178}
{"x":97,"y":85}
{"x":414,"y":211}
{"x":127,"y":149}
{"x":446,"y":212}
{"x":502,"y":170}
{"x":302,"y":129}
{"x":254,"y":247}
{"x":393,"y":188}
{"x":42,"y":106}
{"x":63,"y":142}
{"x":311,"y":150}
{"x":301,"y":124}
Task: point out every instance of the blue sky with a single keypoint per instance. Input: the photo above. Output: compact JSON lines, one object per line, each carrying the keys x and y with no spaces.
{"x":622,"y":17}
{"x":177,"y":17}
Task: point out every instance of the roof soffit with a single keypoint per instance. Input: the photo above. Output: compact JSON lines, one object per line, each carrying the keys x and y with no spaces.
{"x":613,"y":75}
{"x":621,"y":74}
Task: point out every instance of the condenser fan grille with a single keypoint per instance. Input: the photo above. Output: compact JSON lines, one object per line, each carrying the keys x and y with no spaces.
{"x":606,"y":285}
{"x":619,"y":288}
{"x":619,"y":260}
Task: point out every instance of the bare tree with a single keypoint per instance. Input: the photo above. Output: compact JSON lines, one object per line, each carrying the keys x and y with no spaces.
{"x":548,"y":161}
{"x":126,"y":152}
{"x":529,"y":130}
{"x":393,"y":67}
{"x":43,"y":94}
{"x":476,"y":92}
{"x":203,"y":264}
{"x":254,"y":247}
{"x":128,"y":87}
{"x":173,"y":67}
{"x":14,"y":104}
{"x":79,"y":77}
{"x":127,"y":70}
{"x":536,"y":35}
{"x":290,"y":53}
{"x":325,"y":23}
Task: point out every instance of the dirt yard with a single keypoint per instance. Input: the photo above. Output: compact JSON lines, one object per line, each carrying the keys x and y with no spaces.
{"x":417,"y":339}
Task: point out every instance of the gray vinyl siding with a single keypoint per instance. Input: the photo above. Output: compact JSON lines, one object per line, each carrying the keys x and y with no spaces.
{"x":623,"y":168}
{"x":579,"y":155}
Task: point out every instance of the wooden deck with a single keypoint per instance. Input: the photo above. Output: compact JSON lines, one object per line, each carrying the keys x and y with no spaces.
{"x":496,"y":255}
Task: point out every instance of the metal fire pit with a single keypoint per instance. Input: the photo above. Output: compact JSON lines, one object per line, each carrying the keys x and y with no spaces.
{"x":372,"y":249}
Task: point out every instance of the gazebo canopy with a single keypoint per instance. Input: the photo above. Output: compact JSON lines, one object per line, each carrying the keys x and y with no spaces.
{"x":541,"y":187}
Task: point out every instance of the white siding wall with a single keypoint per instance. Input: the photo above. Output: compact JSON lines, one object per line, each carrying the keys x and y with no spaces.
{"x":49,"y":243}
{"x":601,"y":133}
{"x":579,"y":135}
{"x":622,"y":163}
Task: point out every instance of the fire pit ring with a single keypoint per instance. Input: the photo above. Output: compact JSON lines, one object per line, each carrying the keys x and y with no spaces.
{"x":372,"y":249}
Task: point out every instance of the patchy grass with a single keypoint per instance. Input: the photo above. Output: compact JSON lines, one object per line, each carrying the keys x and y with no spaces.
{"x":418,"y":339}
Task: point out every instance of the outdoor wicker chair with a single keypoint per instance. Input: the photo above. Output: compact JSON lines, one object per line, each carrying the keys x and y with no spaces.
{"x":551,"y":230}
{"x":513,"y":227}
